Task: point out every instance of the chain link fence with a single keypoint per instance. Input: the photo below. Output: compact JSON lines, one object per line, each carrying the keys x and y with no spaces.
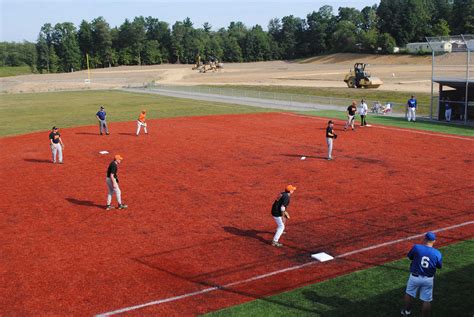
{"x":294,"y":100}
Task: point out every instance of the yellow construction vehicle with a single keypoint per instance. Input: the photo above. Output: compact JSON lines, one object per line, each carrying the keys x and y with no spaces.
{"x":359,"y":78}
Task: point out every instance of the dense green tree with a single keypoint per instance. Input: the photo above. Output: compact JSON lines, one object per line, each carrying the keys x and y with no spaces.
{"x":66,"y":46}
{"x":84,"y":37}
{"x":257,"y":45}
{"x":319,"y":24}
{"x":291,"y":37}
{"x":47,"y":60}
{"x":463,"y":17}
{"x":231,"y":50}
{"x":102,"y":42}
{"x":386,"y":42}
{"x":159,"y":31}
{"x":369,"y":18}
{"x":344,"y":39}
{"x":151,"y":53}
{"x":441,"y":28}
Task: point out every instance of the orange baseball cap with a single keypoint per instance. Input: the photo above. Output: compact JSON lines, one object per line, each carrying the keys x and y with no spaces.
{"x":118,"y":157}
{"x":144,"y":110}
{"x":290,"y":188}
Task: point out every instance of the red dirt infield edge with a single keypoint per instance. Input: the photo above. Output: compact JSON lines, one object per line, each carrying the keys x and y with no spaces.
{"x":199,"y":191}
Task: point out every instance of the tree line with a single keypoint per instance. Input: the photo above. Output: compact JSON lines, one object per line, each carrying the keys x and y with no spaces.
{"x":148,"y":41}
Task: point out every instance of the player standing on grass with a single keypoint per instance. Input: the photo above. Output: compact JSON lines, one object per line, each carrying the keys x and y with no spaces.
{"x":424,"y":261}
{"x":363,"y":109}
{"x":351,"y":111}
{"x":411,"y":107}
{"x":280,"y":214}
{"x":113,"y":183}
{"x":330,"y":136}
{"x":100,"y":115}
{"x":141,"y":122}
{"x":56,"y":144}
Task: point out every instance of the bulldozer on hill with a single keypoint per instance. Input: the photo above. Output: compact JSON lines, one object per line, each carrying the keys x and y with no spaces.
{"x":359,"y":78}
{"x":211,"y":65}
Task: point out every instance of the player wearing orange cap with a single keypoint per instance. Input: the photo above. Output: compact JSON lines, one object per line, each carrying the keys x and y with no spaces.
{"x":113,"y":183}
{"x":141,"y":122}
{"x":280,"y":213}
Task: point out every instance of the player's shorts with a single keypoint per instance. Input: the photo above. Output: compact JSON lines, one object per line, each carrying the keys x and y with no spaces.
{"x":421,"y":284}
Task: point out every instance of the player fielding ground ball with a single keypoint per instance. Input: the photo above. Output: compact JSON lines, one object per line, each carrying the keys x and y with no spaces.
{"x":424,"y":261}
{"x":101,"y":116}
{"x":280,"y":213}
{"x":57,"y":145}
{"x":141,"y":122}
{"x":330,"y":136}
{"x":113,"y":183}
{"x":351,"y":112}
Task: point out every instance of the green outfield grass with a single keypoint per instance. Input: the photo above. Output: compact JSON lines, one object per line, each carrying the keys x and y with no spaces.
{"x":7,"y":71}
{"x":440,"y":127}
{"x":374,"y":292}
{"x":24,"y":113}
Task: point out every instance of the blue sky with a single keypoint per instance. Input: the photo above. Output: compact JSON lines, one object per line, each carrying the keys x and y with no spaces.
{"x":22,"y":19}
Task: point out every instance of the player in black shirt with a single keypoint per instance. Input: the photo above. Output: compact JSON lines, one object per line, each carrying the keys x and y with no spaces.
{"x":330,"y":136}
{"x":113,"y":183}
{"x":351,"y":112}
{"x":56,"y":144}
{"x":279,"y":211}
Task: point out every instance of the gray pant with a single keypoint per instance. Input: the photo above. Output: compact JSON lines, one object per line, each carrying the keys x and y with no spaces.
{"x":103,"y":125}
{"x":111,"y":190}
{"x":329,"y":142}
{"x":56,"y":149}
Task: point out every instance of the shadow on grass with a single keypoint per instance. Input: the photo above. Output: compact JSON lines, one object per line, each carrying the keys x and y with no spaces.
{"x":38,"y":161}
{"x":87,"y":203}
{"x":451,"y":298}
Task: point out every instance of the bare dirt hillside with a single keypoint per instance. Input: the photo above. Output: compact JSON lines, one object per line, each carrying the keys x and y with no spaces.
{"x":399,"y":73}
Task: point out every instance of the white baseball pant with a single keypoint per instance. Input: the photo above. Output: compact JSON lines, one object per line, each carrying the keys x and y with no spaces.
{"x":111,"y":190}
{"x":56,"y":148}
{"x":140,"y":125}
{"x":411,"y":113}
{"x":280,"y":228}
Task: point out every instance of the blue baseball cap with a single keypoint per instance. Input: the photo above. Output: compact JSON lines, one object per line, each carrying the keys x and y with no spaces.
{"x":430,"y":236}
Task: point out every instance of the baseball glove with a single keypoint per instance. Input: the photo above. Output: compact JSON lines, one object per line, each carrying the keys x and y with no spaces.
{"x":335,"y":136}
{"x":286,"y":214}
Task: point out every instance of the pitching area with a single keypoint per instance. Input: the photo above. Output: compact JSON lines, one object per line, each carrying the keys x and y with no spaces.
{"x":199,"y":192}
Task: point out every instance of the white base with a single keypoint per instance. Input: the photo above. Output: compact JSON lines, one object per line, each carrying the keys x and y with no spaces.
{"x":322,"y":257}
{"x":303,"y":158}
{"x":104,"y":152}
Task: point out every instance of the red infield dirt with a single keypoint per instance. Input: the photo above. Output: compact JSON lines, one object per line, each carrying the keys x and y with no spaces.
{"x":199,"y":192}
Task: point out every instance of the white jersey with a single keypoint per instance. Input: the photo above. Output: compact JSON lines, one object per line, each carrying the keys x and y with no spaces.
{"x":363,"y":109}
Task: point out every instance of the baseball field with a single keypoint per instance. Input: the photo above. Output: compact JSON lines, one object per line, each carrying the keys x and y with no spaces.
{"x":195,"y":238}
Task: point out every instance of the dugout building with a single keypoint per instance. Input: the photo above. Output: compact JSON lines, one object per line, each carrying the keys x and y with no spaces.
{"x":452,"y":78}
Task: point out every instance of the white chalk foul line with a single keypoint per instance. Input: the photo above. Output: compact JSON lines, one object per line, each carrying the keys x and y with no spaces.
{"x":259,"y":277}
{"x":389,"y":128}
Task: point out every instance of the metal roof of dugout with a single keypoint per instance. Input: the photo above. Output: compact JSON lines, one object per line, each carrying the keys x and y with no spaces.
{"x":452,"y":70}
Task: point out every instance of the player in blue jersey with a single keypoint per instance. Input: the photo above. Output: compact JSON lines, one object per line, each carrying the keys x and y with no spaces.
{"x":411,"y":108}
{"x":101,"y":116}
{"x":424,"y":261}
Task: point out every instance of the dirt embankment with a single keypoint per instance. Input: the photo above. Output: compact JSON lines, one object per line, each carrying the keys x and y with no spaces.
{"x":399,"y":73}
